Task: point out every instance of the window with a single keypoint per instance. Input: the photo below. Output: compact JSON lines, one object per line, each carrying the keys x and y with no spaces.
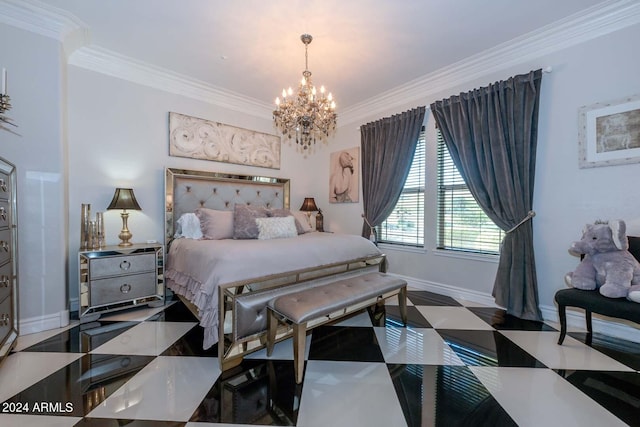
{"x":462,"y":225}
{"x":405,"y":225}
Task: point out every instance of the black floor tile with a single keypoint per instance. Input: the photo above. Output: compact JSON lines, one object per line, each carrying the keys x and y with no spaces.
{"x":262,"y":392}
{"x":190,"y":344}
{"x":430,"y":298}
{"x":114,"y":422}
{"x":499,"y":319}
{"x":345,"y":344}
{"x":625,"y":352}
{"x":175,"y":312}
{"x":83,"y":384}
{"x":487,"y":348}
{"x":415,"y":319}
{"x":445,"y":396}
{"x":618,"y":392}
{"x":82,"y":338}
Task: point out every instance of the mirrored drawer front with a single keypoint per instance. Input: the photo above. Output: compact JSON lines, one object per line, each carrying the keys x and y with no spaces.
{"x":6,"y":283}
{"x":117,"y":289}
{"x":5,"y":246}
{"x":5,"y":186}
{"x":6,"y":317}
{"x":5,"y":213}
{"x":117,"y":265}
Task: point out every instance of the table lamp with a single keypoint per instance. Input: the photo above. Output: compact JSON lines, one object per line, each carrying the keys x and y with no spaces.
{"x":124,"y":199}
{"x":308,"y":206}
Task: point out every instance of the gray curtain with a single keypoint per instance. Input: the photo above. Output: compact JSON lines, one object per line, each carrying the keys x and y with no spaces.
{"x":491,"y":134}
{"x":387,"y":146}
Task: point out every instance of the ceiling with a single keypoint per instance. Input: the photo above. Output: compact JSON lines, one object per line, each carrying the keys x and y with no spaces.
{"x":361,"y":48}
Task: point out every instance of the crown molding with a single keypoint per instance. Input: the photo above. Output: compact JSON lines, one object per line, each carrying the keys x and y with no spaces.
{"x":604,"y":18}
{"x":40,"y":18}
{"x":113,"y":64}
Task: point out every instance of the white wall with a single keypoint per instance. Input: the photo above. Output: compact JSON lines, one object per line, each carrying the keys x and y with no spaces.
{"x":565,"y":197}
{"x":119,"y":137}
{"x":35,"y":81}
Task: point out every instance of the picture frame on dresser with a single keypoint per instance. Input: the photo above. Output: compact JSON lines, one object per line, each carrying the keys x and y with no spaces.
{"x":9,"y":327}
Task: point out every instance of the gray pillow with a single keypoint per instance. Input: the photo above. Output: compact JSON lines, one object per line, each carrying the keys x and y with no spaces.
{"x":244,"y":221}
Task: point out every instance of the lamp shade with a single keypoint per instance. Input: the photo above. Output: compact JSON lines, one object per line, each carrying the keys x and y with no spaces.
{"x":309,"y":205}
{"x":124,"y":198}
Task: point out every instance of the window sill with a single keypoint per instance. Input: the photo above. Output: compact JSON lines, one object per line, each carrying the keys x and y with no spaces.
{"x":467,"y":255}
{"x":403,"y":248}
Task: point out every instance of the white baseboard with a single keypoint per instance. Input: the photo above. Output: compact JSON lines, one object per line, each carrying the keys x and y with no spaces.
{"x":575,"y":317}
{"x":44,"y":323}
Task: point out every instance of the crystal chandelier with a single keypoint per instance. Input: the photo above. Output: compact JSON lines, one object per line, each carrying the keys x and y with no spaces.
{"x":308,"y":115}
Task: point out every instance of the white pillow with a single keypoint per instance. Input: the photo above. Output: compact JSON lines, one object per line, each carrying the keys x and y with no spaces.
{"x":276,"y":227}
{"x":188,"y":227}
{"x":303,"y":220}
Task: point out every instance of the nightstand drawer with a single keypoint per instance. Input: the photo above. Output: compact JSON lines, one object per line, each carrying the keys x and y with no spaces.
{"x":5,"y":214}
{"x":117,"y":289}
{"x":6,"y":282}
{"x":119,"y":265}
{"x":6,"y":317}
{"x":5,"y":245}
{"x":5,"y":186}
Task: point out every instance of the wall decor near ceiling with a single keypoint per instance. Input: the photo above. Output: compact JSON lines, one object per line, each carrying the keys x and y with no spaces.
{"x":343,"y":176}
{"x":610,"y":133}
{"x":203,"y":139}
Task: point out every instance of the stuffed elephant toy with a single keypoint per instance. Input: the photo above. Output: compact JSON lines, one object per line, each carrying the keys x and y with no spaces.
{"x":607,"y":264}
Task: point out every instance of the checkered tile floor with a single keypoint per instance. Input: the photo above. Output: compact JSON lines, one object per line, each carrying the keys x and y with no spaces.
{"x":454,"y":364}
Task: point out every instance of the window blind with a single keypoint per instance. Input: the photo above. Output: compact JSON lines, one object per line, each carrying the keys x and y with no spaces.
{"x":405,"y":225}
{"x":462,"y":224}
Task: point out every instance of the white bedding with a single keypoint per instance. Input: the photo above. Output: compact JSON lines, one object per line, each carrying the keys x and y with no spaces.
{"x":195,"y":268}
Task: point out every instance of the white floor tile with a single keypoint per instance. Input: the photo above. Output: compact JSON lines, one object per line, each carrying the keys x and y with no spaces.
{"x":21,"y":370}
{"x":168,"y":388}
{"x":442,"y":317}
{"x":146,"y":339}
{"x":572,"y":354}
{"x":37,"y":420}
{"x":415,"y":346}
{"x":540,"y":397}
{"x":348,"y":394}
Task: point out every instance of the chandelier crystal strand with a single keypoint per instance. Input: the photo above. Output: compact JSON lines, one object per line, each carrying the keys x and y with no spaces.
{"x":309,"y":115}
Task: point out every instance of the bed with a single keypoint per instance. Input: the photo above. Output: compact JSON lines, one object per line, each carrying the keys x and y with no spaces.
{"x":226,"y":281}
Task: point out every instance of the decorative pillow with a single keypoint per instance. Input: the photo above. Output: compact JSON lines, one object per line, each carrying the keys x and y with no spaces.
{"x":244,"y":221}
{"x":215,"y":224}
{"x":276,"y":227}
{"x":281,"y":213}
{"x":303,"y":219}
{"x":188,"y":226}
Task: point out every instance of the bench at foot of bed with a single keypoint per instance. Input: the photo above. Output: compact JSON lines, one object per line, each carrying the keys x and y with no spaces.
{"x":300,"y":308}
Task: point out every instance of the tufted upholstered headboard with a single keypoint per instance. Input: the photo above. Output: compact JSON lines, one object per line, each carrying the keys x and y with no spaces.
{"x":187,"y":190}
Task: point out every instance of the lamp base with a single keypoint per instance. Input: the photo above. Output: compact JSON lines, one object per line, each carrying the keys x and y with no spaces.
{"x":125,"y":235}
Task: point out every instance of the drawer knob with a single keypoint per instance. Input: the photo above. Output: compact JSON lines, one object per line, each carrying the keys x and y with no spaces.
{"x":125,"y":288}
{"x":4,"y":281}
{"x":125,"y":265}
{"x":4,"y":245}
{"x":3,"y":185}
{"x":4,"y":319}
{"x":3,"y":213}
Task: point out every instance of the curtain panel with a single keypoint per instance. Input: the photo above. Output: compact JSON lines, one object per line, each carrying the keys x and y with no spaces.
{"x":491,"y":134}
{"x":387,"y":146}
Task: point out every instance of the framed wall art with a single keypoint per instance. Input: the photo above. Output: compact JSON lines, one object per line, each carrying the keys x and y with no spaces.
{"x":203,"y":139}
{"x":343,"y":176}
{"x":609,"y":133}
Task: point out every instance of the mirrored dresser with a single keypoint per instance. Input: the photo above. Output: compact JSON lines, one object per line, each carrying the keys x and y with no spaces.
{"x":8,"y":259}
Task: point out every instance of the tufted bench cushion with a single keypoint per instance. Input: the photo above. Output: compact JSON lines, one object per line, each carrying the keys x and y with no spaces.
{"x":594,"y":302}
{"x":310,"y":304}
